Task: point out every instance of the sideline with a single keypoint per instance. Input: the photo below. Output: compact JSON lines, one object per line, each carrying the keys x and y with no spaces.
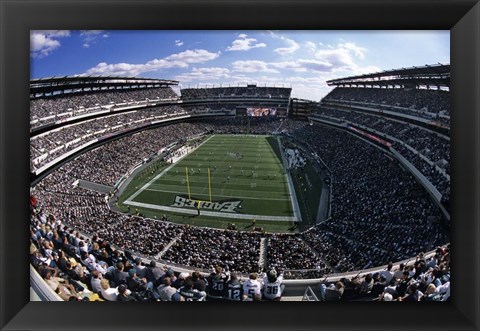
{"x":144,"y":187}
{"x":210,"y":213}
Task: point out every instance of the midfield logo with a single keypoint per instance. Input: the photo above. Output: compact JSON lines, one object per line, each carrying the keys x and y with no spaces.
{"x":228,"y":206}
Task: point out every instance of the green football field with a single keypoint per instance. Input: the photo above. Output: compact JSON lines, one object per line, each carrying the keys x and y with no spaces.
{"x":247,"y":181}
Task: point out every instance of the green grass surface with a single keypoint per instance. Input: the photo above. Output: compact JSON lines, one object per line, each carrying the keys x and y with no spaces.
{"x":308,"y":188}
{"x":231,"y":159}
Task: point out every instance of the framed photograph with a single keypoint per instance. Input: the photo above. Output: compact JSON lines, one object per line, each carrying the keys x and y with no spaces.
{"x":291,"y":78}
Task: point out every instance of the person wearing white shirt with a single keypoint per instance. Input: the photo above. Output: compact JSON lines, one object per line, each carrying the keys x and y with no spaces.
{"x":252,"y":288}
{"x":272,"y":286}
{"x":388,"y":274}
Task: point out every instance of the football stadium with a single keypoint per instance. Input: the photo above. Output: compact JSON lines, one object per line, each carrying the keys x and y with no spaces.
{"x":145,"y":190}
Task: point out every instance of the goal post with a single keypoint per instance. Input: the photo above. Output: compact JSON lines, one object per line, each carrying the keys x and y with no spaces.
{"x":209,"y":185}
{"x":188,"y":184}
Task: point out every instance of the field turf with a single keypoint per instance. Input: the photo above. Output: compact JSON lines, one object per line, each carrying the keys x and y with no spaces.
{"x":248,"y":182}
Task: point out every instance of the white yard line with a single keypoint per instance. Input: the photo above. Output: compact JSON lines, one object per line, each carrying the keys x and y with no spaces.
{"x":210,"y":213}
{"x":144,"y":187}
{"x":217,"y":195}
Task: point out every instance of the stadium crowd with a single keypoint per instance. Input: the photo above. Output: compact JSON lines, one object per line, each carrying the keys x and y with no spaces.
{"x":417,"y":102}
{"x":50,"y":109}
{"x":426,"y":279}
{"x":202,"y":248}
{"x":353,"y":239}
{"x":290,"y":252}
{"x":57,"y":142}
{"x":435,"y":147}
{"x":242,"y":125}
{"x":108,"y":163}
{"x":379,"y":212}
{"x":235,"y":92}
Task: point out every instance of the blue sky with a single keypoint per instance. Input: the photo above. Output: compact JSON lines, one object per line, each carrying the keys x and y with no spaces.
{"x":303,"y":60}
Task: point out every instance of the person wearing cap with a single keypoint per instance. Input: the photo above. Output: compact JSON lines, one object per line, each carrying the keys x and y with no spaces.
{"x":153,"y":273}
{"x":123,"y":294}
{"x":134,"y":283}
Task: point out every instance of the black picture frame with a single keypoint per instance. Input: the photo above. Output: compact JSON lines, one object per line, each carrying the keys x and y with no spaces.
{"x":18,"y":17}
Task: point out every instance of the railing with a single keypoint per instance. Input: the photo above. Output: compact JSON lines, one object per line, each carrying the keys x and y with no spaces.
{"x":41,"y":288}
{"x":309,"y":295}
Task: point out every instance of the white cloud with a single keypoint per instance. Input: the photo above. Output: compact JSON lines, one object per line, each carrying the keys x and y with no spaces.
{"x":178,"y":43}
{"x":342,"y":56}
{"x":179,"y":60}
{"x":303,"y":65}
{"x":193,"y":56}
{"x":91,"y":37}
{"x":204,"y":74}
{"x":292,"y":45}
{"x":54,"y":33}
{"x":44,"y":42}
{"x":243,"y":43}
{"x":358,"y":51}
{"x":252,"y":66}
{"x":311,"y":46}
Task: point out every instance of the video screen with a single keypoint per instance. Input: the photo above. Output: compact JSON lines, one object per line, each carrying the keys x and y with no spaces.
{"x":261,"y":111}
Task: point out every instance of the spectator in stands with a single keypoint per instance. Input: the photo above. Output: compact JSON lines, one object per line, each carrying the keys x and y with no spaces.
{"x":399,"y":289}
{"x":331,"y":293}
{"x":122,"y":294}
{"x":199,"y":282}
{"x":413,"y":294}
{"x":153,"y":273}
{"x":95,"y":281}
{"x":399,"y":272}
{"x":273,"y":286}
{"x":379,"y":284}
{"x":108,"y":293}
{"x":234,"y":289}
{"x":189,"y":293}
{"x":119,"y":276}
{"x":166,"y":291}
{"x":252,"y":288}
{"x":388,"y":273}
{"x":139,"y":268}
{"x":216,"y":284}
{"x":64,"y":289}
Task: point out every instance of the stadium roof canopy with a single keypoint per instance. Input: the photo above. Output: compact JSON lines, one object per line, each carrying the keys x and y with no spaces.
{"x":79,"y":84}
{"x":429,"y":75}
